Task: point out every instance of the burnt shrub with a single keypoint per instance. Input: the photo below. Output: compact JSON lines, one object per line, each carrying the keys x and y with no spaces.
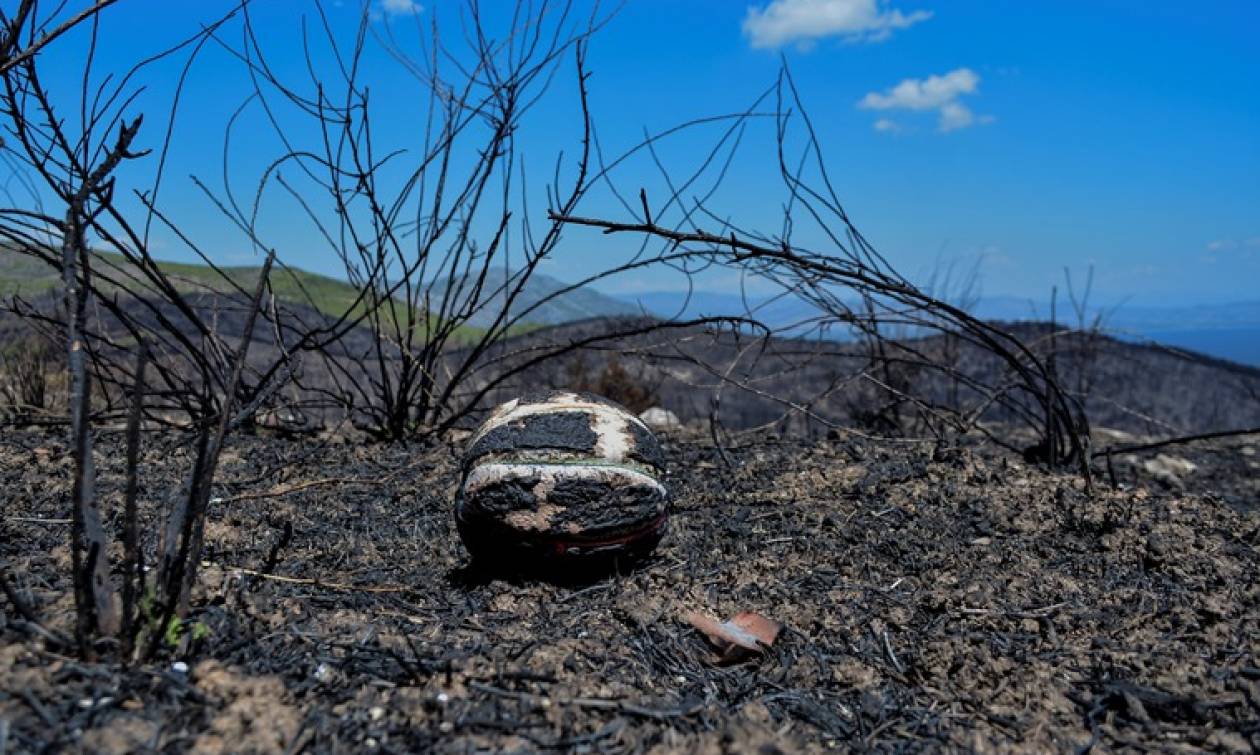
{"x":613,"y":382}
{"x":30,"y":374}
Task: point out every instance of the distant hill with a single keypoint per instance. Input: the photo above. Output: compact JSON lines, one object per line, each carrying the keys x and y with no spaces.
{"x":775,"y":312}
{"x":1123,"y":316}
{"x":1131,"y":387}
{"x":572,"y":306}
{"x":28,"y":277}
{"x":1228,"y":331}
{"x":23,"y":275}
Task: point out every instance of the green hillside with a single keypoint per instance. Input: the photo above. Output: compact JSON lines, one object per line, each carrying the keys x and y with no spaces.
{"x":21,"y":274}
{"x":26,"y":276}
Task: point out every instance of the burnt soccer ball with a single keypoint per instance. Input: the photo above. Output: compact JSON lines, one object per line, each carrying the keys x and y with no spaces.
{"x":558,"y":478}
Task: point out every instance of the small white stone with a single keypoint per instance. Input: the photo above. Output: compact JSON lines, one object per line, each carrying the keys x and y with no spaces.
{"x":321,"y":672}
{"x":179,"y":667}
{"x":659,"y":418}
{"x":376,"y":713}
{"x":680,"y":679}
{"x":443,"y":698}
{"x":446,"y":727}
{"x":370,"y":743}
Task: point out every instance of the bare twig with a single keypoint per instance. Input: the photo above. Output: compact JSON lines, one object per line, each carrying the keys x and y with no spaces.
{"x":133,"y":556}
{"x":320,"y":583}
{"x":11,"y":56}
{"x":1180,"y":440}
{"x":26,"y":612}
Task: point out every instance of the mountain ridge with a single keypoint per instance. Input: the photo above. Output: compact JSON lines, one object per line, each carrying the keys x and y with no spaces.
{"x":1229,"y":330}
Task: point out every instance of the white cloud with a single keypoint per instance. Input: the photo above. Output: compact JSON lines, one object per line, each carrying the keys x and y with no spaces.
{"x":939,"y":93}
{"x":401,"y":7}
{"x":955,"y":115}
{"x":1239,"y":248}
{"x":924,"y":94}
{"x":805,"y":21}
{"x":888,"y":125}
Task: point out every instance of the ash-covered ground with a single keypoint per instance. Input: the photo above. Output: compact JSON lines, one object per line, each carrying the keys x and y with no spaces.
{"x":933,"y":597}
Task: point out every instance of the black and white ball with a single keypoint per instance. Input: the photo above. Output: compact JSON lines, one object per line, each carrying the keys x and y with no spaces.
{"x":561,"y":477}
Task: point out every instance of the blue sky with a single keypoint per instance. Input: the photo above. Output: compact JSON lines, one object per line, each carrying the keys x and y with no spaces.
{"x":1029,"y":135}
